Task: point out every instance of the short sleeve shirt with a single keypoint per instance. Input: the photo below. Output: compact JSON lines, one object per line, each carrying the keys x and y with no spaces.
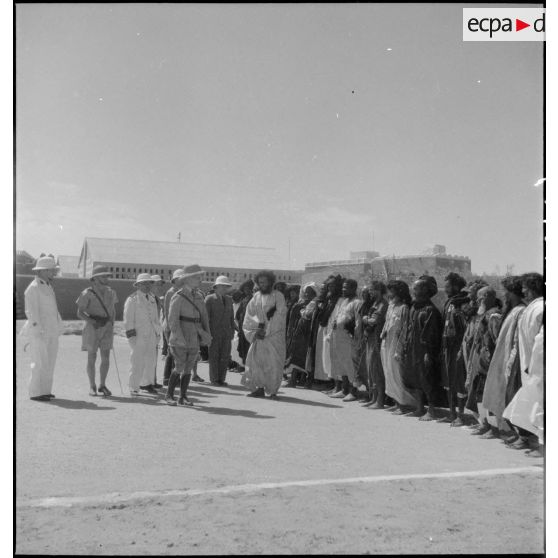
{"x":88,"y":302}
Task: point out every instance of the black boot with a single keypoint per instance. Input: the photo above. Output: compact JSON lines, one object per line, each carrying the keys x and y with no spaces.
{"x":184,"y":383}
{"x":173,"y":380}
{"x":169,"y":365}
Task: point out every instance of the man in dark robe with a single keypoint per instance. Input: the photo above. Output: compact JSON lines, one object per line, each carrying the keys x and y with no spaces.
{"x":359,"y":349}
{"x":454,"y":325}
{"x":482,"y":350}
{"x":297,"y":337}
{"x":422,"y":348}
{"x":312,"y":314}
{"x":324,"y":304}
{"x":373,"y":323}
{"x":243,"y":344}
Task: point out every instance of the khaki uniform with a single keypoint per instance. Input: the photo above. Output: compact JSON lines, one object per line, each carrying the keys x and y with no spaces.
{"x":93,"y":338}
{"x":188,"y":322}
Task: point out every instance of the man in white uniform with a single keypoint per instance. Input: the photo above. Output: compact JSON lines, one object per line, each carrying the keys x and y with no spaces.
{"x":143,"y":330}
{"x":42,"y":328}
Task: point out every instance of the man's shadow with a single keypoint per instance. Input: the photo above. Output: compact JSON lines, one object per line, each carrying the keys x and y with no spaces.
{"x":79,"y":405}
{"x":197,"y":388}
{"x":287,"y":399}
{"x":141,"y":399}
{"x":233,"y":412}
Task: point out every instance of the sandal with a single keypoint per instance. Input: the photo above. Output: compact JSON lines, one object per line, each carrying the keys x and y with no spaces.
{"x":105,"y":391}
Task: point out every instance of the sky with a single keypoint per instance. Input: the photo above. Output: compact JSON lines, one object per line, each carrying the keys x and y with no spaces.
{"x":314,"y":129}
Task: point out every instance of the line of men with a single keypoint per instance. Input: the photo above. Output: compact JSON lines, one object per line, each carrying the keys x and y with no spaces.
{"x":184,"y":318}
{"x":399,"y":352}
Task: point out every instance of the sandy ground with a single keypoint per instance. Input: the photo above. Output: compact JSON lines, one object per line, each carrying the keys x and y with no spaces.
{"x":89,"y":448}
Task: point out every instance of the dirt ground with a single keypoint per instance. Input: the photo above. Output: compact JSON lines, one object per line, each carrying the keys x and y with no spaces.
{"x":93,"y":475}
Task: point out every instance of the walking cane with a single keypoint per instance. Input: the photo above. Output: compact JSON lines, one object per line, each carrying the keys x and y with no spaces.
{"x":117,"y":372}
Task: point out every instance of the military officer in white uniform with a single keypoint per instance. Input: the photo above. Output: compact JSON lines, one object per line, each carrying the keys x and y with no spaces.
{"x":143,"y":330}
{"x":42,"y":329}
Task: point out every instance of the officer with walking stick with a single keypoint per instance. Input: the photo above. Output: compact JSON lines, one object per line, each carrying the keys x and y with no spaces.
{"x":97,"y":306}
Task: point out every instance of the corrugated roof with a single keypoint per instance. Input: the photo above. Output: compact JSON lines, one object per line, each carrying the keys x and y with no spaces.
{"x":181,"y":253}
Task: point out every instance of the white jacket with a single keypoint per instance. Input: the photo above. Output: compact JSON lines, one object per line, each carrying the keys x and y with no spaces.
{"x":141,"y":315}
{"x":43,"y":318}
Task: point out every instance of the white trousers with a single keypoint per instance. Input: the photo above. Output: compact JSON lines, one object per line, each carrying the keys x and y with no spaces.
{"x":43,"y":358}
{"x":143,"y":360}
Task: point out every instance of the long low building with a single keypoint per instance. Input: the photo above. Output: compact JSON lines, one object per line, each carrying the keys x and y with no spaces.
{"x":127,"y":258}
{"x":372,"y":266}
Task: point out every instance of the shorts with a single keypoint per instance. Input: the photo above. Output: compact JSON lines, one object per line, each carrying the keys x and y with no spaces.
{"x":94,"y":339}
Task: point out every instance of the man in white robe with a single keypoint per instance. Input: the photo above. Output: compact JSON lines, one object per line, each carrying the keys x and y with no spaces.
{"x":525,"y":409}
{"x":264,"y":327}
{"x":42,"y":329}
{"x":342,"y":341}
{"x":494,"y":395}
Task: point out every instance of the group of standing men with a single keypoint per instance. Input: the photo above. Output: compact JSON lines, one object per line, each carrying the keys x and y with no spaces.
{"x":184,"y":319}
{"x":393,"y":350}
{"x":399,"y":352}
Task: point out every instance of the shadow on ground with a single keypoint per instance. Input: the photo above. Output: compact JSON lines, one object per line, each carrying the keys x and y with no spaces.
{"x":288,"y":399}
{"x":141,"y":399}
{"x":207,"y":389}
{"x":233,"y":412}
{"x":79,"y":405}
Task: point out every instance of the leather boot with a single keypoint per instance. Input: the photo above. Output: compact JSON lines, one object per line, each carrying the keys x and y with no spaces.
{"x":169,"y":365}
{"x":173,"y":380}
{"x":184,"y":383}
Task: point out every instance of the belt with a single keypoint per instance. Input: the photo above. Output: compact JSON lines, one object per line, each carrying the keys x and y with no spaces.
{"x":191,"y":320}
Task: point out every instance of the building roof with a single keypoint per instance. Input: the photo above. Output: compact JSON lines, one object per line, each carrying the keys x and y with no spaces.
{"x":385,"y":258}
{"x":155,"y":252}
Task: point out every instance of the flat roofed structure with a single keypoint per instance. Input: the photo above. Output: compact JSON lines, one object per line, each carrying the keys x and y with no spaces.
{"x":126,"y":258}
{"x":384,"y":268}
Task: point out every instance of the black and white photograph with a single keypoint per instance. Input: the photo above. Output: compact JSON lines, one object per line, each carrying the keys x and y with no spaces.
{"x":279,"y":278}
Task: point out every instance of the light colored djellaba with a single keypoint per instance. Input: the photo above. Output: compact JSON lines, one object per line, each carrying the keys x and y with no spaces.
{"x":264,"y":328}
